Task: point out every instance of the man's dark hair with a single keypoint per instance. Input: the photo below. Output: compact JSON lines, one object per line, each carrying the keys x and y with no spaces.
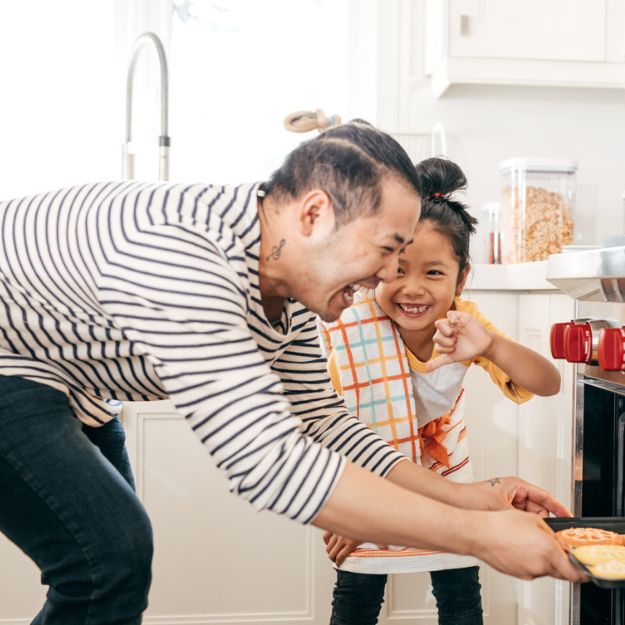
{"x":348,"y":162}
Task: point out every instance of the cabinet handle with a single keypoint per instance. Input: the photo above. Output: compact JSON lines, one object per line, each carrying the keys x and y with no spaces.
{"x":464,"y":24}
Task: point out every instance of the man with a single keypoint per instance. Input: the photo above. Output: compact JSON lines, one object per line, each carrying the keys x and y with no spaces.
{"x":208,"y":295}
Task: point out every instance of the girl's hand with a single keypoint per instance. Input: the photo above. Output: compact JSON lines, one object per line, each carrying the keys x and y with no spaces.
{"x":338,"y":547}
{"x":458,"y":337}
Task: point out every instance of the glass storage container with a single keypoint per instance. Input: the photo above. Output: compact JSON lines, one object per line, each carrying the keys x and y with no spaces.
{"x":537,"y":200}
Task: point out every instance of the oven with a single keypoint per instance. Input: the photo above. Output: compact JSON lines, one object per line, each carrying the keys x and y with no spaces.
{"x":595,"y":342}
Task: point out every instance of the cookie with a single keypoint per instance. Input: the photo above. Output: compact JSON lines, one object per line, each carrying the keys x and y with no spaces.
{"x":614,"y":569}
{"x":592,"y":555}
{"x":579,"y":536}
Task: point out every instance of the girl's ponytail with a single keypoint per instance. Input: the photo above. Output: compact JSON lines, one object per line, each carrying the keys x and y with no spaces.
{"x":439,"y":178}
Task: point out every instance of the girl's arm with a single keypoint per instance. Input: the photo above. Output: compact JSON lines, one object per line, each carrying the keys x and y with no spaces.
{"x":524,"y":366}
{"x":461,"y":337}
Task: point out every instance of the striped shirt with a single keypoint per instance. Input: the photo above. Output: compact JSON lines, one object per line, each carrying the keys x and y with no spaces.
{"x":134,"y":291}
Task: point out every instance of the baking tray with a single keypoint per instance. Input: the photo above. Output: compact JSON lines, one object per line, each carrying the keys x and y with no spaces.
{"x":613,"y":524}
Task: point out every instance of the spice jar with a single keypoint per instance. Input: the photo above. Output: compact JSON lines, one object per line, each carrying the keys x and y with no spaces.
{"x":493,"y":242}
{"x":536,"y":208}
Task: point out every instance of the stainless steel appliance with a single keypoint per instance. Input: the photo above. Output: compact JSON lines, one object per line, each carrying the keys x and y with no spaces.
{"x":595,"y":340}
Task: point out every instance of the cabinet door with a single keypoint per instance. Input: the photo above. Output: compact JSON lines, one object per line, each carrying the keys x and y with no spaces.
{"x":492,"y":425}
{"x":558,"y":30}
{"x":216,"y":559}
{"x":21,"y":592}
{"x":545,"y":446}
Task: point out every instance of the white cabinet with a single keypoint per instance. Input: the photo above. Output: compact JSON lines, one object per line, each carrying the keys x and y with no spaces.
{"x":492,"y":425}
{"x":506,"y":42}
{"x":21,"y":592}
{"x":545,"y":444}
{"x":539,"y":431}
{"x":216,"y":559}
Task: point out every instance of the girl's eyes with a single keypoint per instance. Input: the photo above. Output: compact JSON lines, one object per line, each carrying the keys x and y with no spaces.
{"x":435,"y":273}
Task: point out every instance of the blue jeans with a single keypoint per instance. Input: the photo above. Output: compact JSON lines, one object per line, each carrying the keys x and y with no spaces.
{"x":67,"y":500}
{"x":358,"y":597}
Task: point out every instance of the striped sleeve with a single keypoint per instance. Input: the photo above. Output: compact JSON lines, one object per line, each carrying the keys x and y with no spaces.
{"x":180,"y":302}
{"x":303,"y":370}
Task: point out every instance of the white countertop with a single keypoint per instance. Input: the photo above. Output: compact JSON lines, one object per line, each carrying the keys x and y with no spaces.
{"x":517,"y":277}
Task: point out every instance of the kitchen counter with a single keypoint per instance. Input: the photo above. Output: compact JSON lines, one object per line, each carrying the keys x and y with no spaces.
{"x":515,"y":277}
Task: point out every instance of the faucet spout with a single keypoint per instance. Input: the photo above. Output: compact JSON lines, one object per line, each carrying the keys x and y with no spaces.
{"x":164,"y":140}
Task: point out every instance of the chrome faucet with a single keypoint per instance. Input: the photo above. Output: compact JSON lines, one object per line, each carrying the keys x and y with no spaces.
{"x":164,"y":141}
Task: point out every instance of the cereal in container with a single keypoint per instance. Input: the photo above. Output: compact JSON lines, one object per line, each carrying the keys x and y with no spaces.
{"x":536,"y":207}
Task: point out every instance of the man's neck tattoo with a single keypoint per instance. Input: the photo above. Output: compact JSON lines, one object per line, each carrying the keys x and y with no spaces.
{"x":495,"y":481}
{"x":276,"y":250}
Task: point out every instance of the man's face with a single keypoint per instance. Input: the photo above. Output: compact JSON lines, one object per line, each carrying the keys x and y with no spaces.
{"x":361,"y":253}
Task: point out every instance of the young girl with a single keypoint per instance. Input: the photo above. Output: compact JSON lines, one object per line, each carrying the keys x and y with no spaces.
{"x":386,"y":356}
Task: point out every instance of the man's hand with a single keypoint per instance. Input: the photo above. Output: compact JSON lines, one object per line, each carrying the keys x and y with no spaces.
{"x":458,"y":337}
{"x":500,"y":493}
{"x":521,"y":544}
{"x":338,"y":547}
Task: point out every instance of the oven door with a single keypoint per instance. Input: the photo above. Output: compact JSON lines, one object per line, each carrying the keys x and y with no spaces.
{"x":599,"y":466}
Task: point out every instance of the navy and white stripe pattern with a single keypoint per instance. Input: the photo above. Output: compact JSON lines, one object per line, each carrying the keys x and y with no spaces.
{"x":135,"y":291}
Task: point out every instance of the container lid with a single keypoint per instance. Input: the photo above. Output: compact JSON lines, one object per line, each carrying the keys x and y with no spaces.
{"x":491,"y":207}
{"x":544,"y":165}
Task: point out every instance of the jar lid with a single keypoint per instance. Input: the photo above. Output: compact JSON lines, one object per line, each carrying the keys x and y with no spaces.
{"x":491,"y":207}
{"x":544,"y":165}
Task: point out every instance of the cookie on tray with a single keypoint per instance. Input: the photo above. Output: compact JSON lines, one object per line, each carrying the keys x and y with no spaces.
{"x":580,"y":536}
{"x":593,"y":555}
{"x":614,"y":569}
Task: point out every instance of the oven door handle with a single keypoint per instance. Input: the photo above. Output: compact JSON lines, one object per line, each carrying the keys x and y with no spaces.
{"x":620,"y":466}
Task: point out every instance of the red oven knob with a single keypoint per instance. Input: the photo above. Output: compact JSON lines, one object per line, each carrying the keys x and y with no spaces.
{"x":611,"y":350}
{"x":578,"y":342}
{"x":556,"y":339}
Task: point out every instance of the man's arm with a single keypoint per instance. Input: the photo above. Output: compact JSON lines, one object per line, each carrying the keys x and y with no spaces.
{"x":493,"y":494}
{"x":365,"y":507}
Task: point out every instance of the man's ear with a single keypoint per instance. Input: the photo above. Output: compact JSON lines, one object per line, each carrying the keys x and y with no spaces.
{"x":316,"y":213}
{"x":462,"y":279}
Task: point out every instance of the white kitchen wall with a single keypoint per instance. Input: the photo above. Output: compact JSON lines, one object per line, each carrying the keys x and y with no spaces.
{"x":487,"y":123}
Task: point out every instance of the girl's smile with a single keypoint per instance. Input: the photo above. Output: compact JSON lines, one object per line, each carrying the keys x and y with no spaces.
{"x":413,"y":310}
{"x":428,"y":280}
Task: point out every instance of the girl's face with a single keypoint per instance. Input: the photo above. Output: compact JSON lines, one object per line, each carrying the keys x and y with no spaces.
{"x":427,"y":282}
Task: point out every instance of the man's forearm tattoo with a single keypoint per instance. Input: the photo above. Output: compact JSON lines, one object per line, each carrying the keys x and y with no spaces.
{"x":276,"y":250}
{"x":494,"y":481}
